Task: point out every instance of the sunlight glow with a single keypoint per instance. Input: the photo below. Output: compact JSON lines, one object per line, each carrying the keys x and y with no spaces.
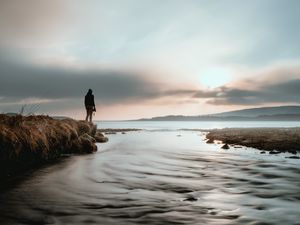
{"x":215,"y":77}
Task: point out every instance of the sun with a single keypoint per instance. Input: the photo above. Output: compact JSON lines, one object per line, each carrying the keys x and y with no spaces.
{"x":215,"y":77}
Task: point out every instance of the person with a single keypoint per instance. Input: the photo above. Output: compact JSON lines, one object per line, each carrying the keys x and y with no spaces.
{"x":89,"y":105}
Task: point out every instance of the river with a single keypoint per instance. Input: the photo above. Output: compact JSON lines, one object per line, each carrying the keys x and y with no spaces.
{"x":160,"y":175}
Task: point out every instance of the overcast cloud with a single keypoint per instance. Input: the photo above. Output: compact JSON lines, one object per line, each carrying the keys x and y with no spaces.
{"x":205,"y":56}
{"x":275,"y":87}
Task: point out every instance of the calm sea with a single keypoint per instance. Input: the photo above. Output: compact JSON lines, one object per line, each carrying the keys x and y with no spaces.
{"x":175,"y":125}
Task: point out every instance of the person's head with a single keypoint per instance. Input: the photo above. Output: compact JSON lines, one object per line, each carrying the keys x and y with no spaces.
{"x":90,"y":92}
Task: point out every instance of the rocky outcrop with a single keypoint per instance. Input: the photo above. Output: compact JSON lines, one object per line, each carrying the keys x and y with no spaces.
{"x":226,"y":146}
{"x":32,"y":140}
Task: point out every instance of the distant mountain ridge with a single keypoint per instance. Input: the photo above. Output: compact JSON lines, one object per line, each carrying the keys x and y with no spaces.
{"x":264,"y":111}
{"x":279,"y":113}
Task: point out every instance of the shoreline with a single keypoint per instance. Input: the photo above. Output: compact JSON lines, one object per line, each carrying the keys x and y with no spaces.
{"x":273,"y":140}
{"x":29,"y":141}
{"x":117,"y":130}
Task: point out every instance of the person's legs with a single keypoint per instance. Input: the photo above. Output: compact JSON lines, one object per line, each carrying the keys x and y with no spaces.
{"x":91,"y":114}
{"x":87,"y":115}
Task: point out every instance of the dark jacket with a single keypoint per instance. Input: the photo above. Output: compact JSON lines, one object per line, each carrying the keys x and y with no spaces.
{"x":89,"y":100}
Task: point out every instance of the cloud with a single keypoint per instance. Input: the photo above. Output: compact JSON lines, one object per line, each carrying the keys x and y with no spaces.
{"x":179,"y":92}
{"x":267,"y":31}
{"x":206,"y":94}
{"x":28,"y":81}
{"x":280,"y":86}
{"x":26,"y":23}
{"x":58,"y":88}
{"x":183,"y":39}
{"x":55,"y":88}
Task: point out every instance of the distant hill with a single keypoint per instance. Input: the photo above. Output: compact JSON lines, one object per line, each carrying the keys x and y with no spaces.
{"x":264,"y":111}
{"x":280,"y":113}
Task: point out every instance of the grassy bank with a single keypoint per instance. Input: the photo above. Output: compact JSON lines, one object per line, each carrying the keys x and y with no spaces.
{"x":28,"y":141}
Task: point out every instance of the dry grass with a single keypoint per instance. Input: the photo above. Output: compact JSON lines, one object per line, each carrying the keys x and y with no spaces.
{"x":25,"y":141}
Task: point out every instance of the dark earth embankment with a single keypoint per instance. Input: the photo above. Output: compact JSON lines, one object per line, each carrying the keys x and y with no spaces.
{"x":26,"y":142}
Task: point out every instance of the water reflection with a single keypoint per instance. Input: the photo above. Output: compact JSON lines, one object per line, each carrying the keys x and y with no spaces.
{"x":159,"y":178}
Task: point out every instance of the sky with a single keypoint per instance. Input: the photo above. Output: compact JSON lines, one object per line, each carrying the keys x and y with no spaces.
{"x":147,"y":58}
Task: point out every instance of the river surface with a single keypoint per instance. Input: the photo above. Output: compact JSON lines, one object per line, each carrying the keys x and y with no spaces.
{"x":176,"y":125}
{"x":158,"y":176}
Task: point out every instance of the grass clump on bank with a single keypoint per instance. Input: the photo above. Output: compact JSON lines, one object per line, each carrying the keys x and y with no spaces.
{"x":30,"y":140}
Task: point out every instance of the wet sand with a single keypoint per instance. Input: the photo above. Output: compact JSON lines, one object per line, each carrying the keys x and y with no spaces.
{"x":152,"y":177}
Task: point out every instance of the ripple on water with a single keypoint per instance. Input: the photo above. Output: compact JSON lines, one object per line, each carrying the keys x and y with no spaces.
{"x":158,"y":178}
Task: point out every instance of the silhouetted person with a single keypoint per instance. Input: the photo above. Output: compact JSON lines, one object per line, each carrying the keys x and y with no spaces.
{"x":89,"y":105}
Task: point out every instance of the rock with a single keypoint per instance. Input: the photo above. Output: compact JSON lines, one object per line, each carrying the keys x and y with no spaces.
{"x":110,"y":132}
{"x":293,"y":152}
{"x":273,"y":152}
{"x":293,"y":157}
{"x":99,"y":137}
{"x":191,"y":199}
{"x":260,"y":207}
{"x":225,"y":146}
{"x":99,"y":134}
{"x":87,"y":143}
{"x":262,"y":152}
{"x":123,"y":132}
{"x":210,"y":141}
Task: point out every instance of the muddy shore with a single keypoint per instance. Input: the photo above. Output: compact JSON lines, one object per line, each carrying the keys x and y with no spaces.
{"x":115,"y":131}
{"x":274,"y":140}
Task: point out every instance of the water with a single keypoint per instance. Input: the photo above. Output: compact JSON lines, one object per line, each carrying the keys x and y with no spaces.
{"x":175,"y":125}
{"x":158,"y":177}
